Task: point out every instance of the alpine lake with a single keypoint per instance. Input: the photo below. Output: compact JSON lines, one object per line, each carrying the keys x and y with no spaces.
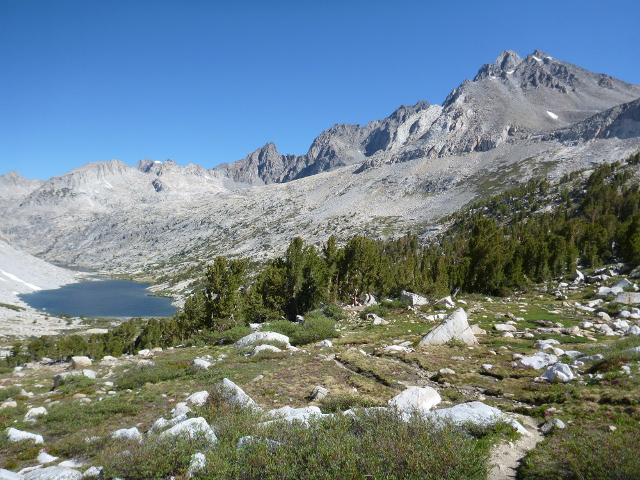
{"x":101,"y":297}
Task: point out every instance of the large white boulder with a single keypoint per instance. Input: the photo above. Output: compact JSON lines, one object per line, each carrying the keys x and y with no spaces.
{"x":289,"y":414}
{"x":78,"y":363}
{"x":198,"y":398}
{"x":128,"y":434}
{"x":627,"y":298}
{"x":538,"y":360}
{"x":9,"y":475}
{"x":53,"y":473}
{"x":200,"y":364}
{"x":558,"y":373}
{"x":191,"y":428}
{"x":454,"y":327}
{"x":476,"y":413}
{"x":258,"y":338}
{"x":265,"y":348}
{"x":235,"y":395}
{"x":34,"y":413}
{"x":413,"y":298}
{"x":416,"y":398}
{"x":15,"y":435}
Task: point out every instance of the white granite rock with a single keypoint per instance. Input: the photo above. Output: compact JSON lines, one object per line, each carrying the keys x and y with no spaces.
{"x":558,"y":373}
{"x":538,"y":360}
{"x":257,"y":338}
{"x":15,"y":435}
{"x":198,"y":398}
{"x":455,"y":327}
{"x":128,"y":434}
{"x":416,"y":398}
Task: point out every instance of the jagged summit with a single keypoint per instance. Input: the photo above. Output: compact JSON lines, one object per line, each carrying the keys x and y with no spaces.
{"x":506,"y":63}
{"x":508,"y":100}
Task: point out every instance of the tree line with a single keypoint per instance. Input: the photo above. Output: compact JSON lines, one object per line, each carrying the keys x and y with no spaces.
{"x":525,"y":236}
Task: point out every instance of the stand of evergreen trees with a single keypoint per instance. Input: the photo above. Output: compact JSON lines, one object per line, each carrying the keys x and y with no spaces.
{"x":527,"y":235}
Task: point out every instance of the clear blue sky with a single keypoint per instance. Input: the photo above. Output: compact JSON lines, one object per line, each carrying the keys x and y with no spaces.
{"x":207,"y":82}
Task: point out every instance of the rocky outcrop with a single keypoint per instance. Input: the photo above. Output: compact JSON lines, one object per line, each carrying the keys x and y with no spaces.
{"x":453,"y":328}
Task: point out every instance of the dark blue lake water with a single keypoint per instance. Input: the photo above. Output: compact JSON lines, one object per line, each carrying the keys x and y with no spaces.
{"x":101,"y":298}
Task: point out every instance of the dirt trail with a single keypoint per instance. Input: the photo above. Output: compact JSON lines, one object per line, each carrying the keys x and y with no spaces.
{"x":506,"y":457}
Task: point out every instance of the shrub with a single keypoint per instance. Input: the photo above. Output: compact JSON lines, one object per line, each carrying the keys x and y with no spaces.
{"x":340,"y":403}
{"x":137,"y":377}
{"x":334,"y":311}
{"x":378,"y":309}
{"x":232,"y":335}
{"x":9,"y":392}
{"x":567,"y":454}
{"x":373,"y":445}
{"x":156,"y":458}
{"x":76,"y":384}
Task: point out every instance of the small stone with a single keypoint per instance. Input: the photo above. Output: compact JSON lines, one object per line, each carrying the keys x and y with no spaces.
{"x":552,"y":424}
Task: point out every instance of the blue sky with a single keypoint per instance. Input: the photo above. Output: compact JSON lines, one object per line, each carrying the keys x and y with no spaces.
{"x":207,"y":82}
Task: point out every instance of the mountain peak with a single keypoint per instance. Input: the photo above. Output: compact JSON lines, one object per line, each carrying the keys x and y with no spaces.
{"x":506,"y":63}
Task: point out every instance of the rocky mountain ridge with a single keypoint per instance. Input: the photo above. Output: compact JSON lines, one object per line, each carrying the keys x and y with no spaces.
{"x":518,"y":119}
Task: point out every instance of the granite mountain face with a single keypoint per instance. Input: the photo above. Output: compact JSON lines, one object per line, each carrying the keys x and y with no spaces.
{"x":517,"y":119}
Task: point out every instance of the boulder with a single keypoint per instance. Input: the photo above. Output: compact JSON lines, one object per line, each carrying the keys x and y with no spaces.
{"x":191,"y":428}
{"x":197,"y":462}
{"x":78,"y":363}
{"x":318,"y":393}
{"x":9,"y":475}
{"x":289,"y":414}
{"x":447,"y":302}
{"x":376,"y":320}
{"x":477,"y":330}
{"x":538,"y":360}
{"x":15,"y":435}
{"x":454,"y":327}
{"x":128,"y":434}
{"x":546,"y":344}
{"x":324,"y":343}
{"x":634,"y":330}
{"x":622,"y":283}
{"x":476,"y":413}
{"x":53,"y":473}
{"x":8,"y":404}
{"x":416,"y":398}
{"x":34,"y":413}
{"x":198,"y":398}
{"x":558,"y":373}
{"x":397,"y":349}
{"x":621,"y":325}
{"x":628,"y":298}
{"x":235,"y":395}
{"x":253,"y":440}
{"x":258,"y":338}
{"x":44,"y":457}
{"x":200,"y":364}
{"x":92,"y":472}
{"x":578,"y":277}
{"x":551,"y":425}
{"x":413,"y":299}
{"x":368,"y":300}
{"x":180,"y":409}
{"x":265,"y":348}
{"x":504,"y":327}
